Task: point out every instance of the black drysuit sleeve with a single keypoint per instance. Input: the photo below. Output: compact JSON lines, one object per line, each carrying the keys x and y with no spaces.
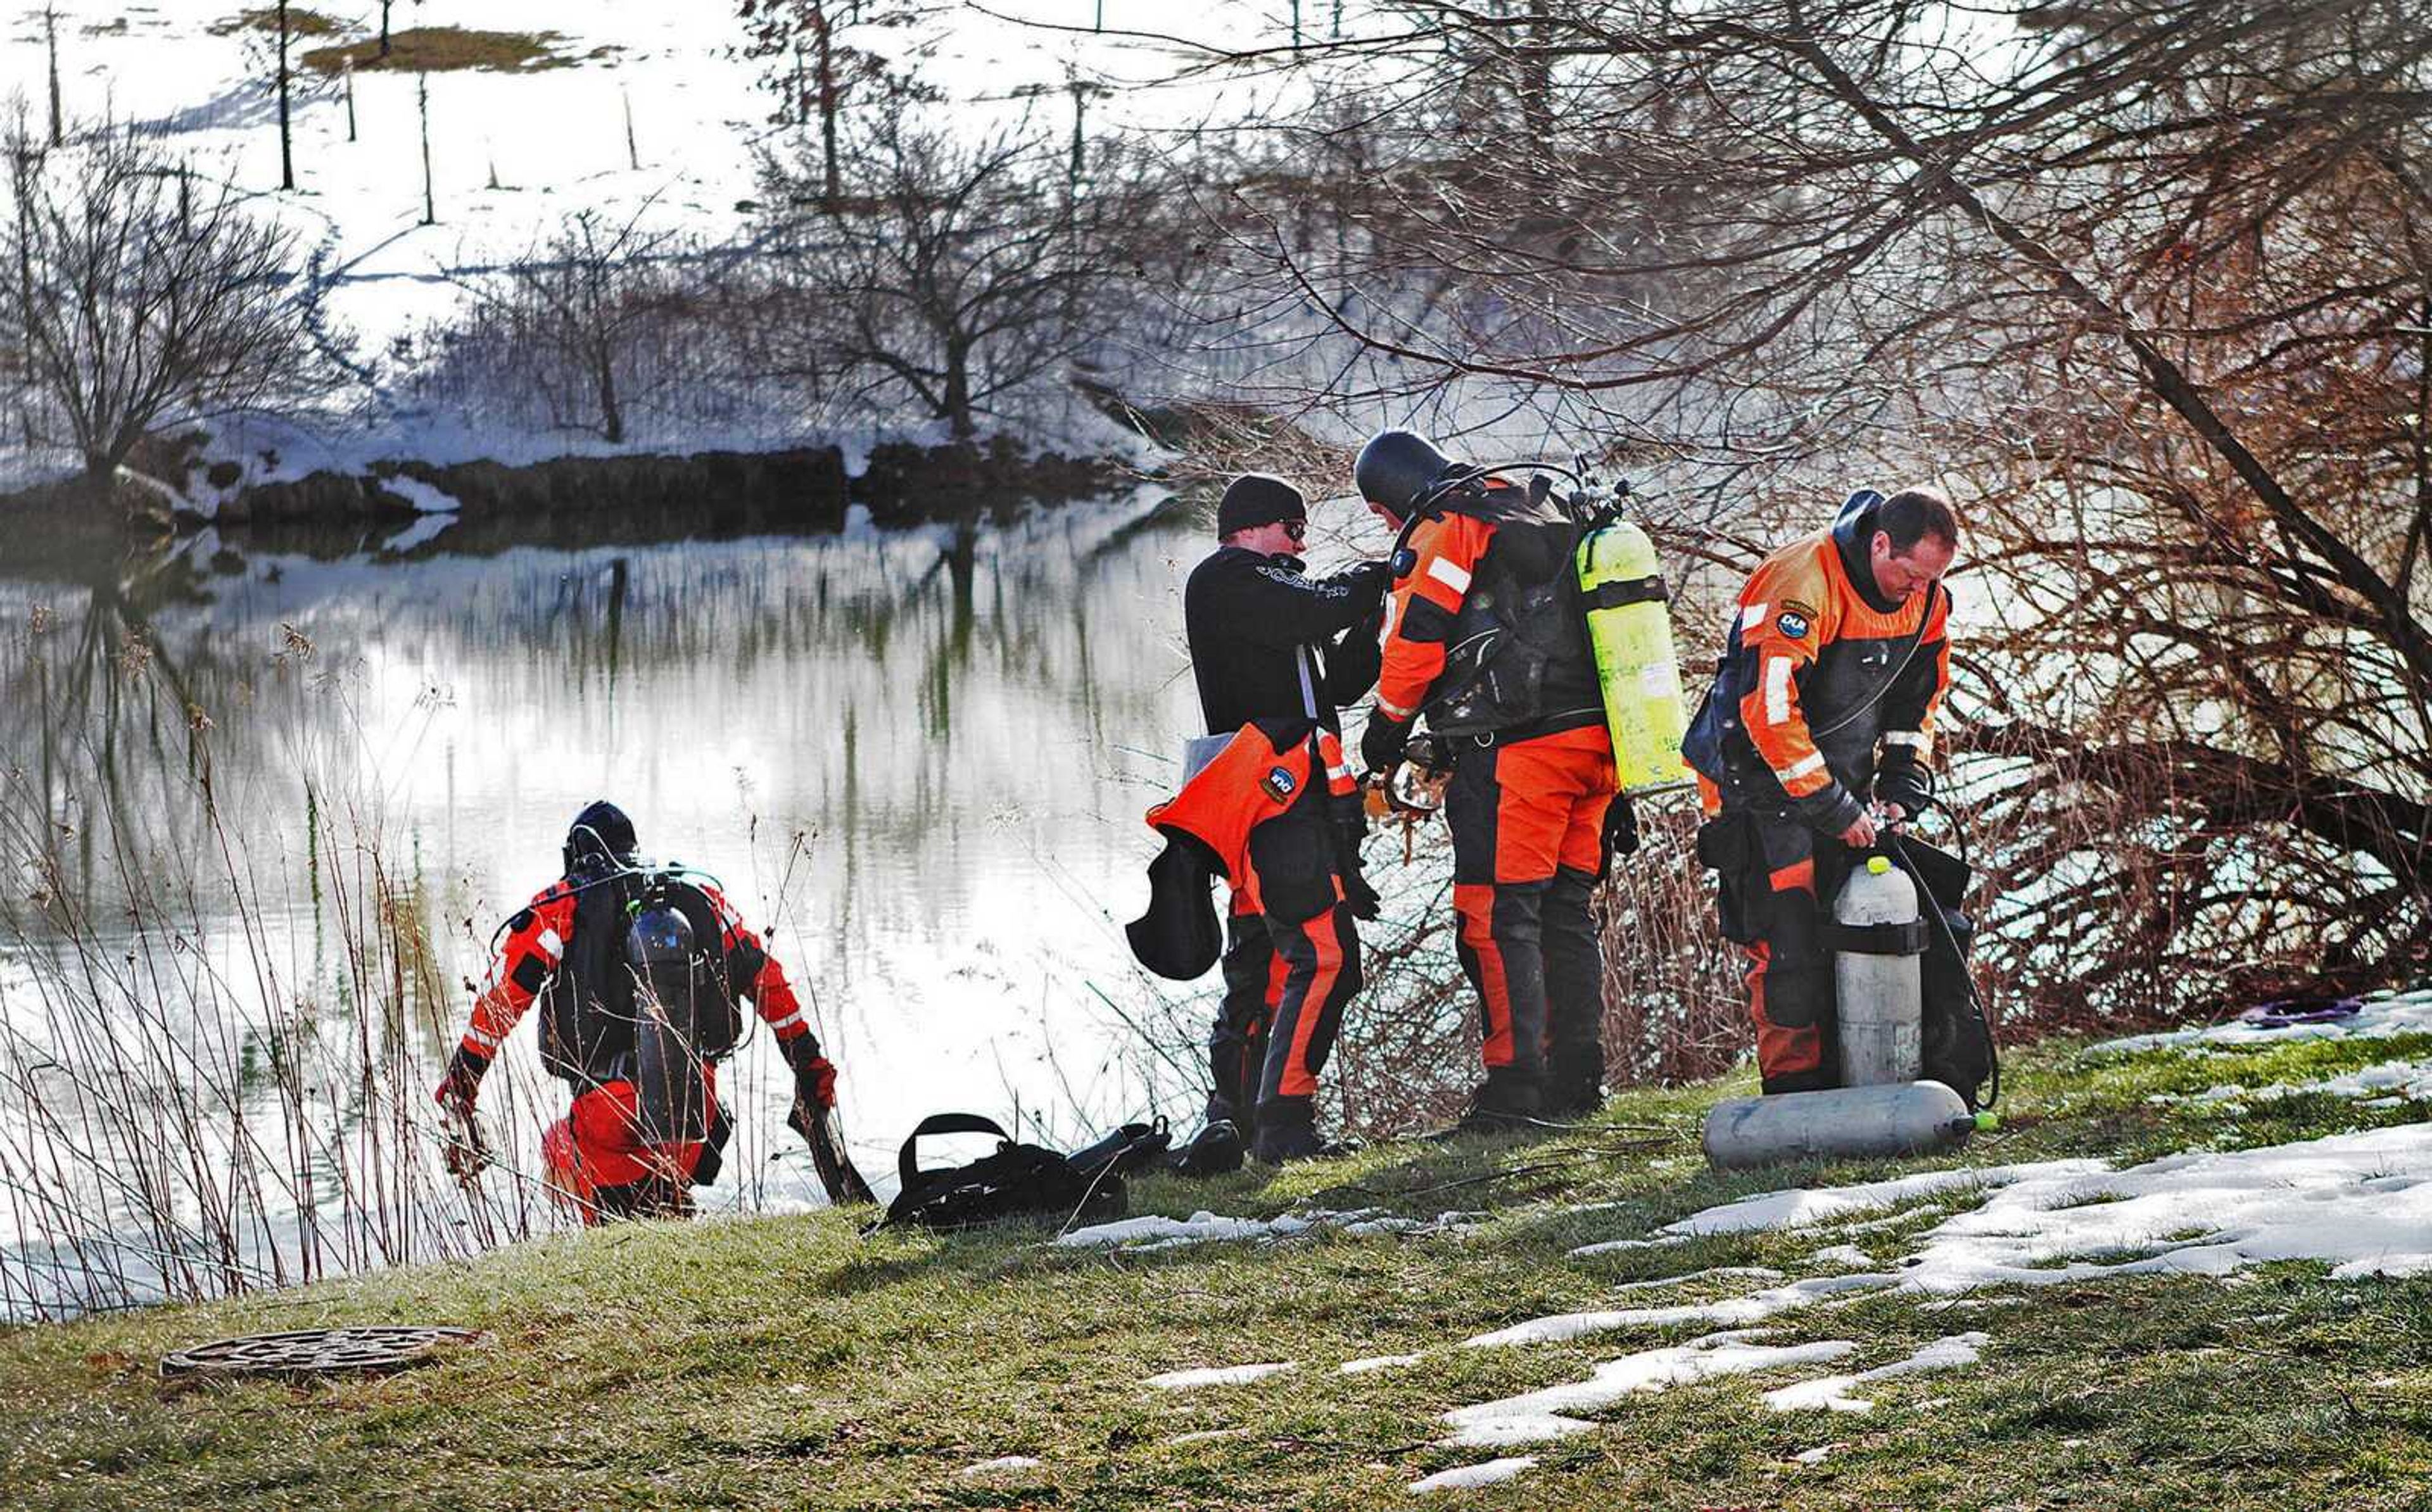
{"x":1354,"y":659}
{"x":1273,"y":604}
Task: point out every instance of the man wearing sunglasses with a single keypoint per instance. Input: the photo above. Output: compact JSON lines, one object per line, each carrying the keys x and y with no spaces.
{"x":1270,"y":643}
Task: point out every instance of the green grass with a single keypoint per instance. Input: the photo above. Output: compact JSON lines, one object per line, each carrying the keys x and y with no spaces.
{"x":445,"y":49}
{"x":784,"y":1362}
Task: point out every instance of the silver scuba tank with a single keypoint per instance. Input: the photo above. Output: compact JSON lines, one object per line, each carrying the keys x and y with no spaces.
{"x":1849,"y":1123}
{"x":1878,"y":946}
{"x":668,"y":994}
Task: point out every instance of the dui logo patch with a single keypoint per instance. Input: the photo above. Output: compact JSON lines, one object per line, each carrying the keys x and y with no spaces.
{"x":1795,"y":620}
{"x":1279,"y":783}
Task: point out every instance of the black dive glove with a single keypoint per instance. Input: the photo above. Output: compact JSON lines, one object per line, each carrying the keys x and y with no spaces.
{"x":1907,"y":785}
{"x":1383,"y":742}
{"x":1351,"y":826}
{"x":1369,"y":581}
{"x":1620,"y":827}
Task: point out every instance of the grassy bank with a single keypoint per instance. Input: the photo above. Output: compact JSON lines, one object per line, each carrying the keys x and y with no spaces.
{"x":784,"y":1362}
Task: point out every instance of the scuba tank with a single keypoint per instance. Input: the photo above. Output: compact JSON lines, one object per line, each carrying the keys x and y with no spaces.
{"x":1878,"y":941}
{"x":670,"y":1000}
{"x":1851,"y":1124}
{"x":1629,"y":629}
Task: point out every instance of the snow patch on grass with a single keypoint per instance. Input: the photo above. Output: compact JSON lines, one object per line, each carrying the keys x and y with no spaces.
{"x":1469,"y":1475}
{"x":2388,"y":1084}
{"x":2378,"y":1018}
{"x":1140,"y":1235}
{"x":1006,"y":1462}
{"x":1737,"y":1312}
{"x":1219,"y":1375}
{"x":1800,"y":1208}
{"x":1537,"y":1417}
{"x":1376,"y":1362}
{"x":1953,"y":1352}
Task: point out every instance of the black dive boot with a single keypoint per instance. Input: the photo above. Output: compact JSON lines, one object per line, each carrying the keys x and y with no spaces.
{"x":1286,"y":1131}
{"x":1506,"y":1100}
{"x":1215,"y":1151}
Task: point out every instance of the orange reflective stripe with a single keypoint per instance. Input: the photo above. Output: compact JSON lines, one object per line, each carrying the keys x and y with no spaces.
{"x":1798,"y":876}
{"x":1296,"y":1081}
{"x":1475,"y":903}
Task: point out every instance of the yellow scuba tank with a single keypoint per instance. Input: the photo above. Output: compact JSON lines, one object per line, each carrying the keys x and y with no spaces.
{"x":1631,"y":630}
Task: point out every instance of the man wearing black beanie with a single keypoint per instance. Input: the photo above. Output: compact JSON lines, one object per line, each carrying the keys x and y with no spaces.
{"x":1268,"y":643}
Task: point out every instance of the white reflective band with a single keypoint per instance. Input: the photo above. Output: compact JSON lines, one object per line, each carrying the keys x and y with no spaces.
{"x":1339,"y":773}
{"x":1813,"y":762}
{"x":1753,"y":615}
{"x":788,"y":1022}
{"x":1915,"y":740}
{"x":551,"y":945}
{"x":1392,"y":711}
{"x":488,"y":1042}
{"x":1451,"y":575}
{"x":1777,"y":690}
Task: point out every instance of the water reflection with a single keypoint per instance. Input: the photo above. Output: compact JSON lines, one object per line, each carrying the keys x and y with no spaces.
{"x":917,"y":760}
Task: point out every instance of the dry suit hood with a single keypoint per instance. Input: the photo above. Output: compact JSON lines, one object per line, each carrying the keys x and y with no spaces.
{"x":1853,"y":535}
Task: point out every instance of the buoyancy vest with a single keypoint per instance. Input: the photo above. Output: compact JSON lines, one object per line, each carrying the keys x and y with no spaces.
{"x":587,"y":1008}
{"x":1519,"y":662}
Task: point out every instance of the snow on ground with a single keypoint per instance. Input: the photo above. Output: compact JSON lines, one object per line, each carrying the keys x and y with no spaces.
{"x":1007,"y":1462}
{"x":1846,"y":1256}
{"x":1618,"y":1246}
{"x":1376,"y":1362}
{"x":2386,"y":1084}
{"x":2360,"y":1202}
{"x":1799,"y":1208}
{"x":1218,"y":1375}
{"x":1952,"y":1353}
{"x":1536,"y":1416}
{"x":1751,"y":1272}
{"x":2406,"y":1012}
{"x":424,"y":497}
{"x":1469,"y":1475}
{"x":1737,"y":1313}
{"x":1813,"y":1456}
{"x":1140,"y":1235}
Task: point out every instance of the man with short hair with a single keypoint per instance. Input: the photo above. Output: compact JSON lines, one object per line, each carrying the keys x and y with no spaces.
{"x":1814,"y":738}
{"x":1270,"y":643}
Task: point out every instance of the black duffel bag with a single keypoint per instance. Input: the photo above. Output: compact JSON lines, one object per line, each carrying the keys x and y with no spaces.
{"x":1017,"y":1181}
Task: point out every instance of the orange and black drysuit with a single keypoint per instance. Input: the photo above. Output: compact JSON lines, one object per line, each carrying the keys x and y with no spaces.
{"x":1264,"y":815}
{"x":564,"y":951}
{"x":1824,"y":697}
{"x":1269,"y":642}
{"x":1484,"y":636}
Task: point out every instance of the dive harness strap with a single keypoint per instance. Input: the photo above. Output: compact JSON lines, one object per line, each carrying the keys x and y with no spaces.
{"x":1878,"y":939}
{"x":1650,"y":590}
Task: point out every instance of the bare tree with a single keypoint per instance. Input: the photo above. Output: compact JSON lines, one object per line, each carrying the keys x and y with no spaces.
{"x":968,"y":272}
{"x":135,"y":305}
{"x":2146,"y":280}
{"x":576,"y":305}
{"x":815,"y":71}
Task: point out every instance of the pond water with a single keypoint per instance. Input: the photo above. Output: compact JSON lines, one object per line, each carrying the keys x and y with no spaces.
{"x":263,"y":811}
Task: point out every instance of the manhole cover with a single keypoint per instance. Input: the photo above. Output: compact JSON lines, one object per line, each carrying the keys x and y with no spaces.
{"x":317,"y":1350}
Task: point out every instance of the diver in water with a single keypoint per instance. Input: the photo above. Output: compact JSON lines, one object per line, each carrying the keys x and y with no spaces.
{"x":638,"y":971}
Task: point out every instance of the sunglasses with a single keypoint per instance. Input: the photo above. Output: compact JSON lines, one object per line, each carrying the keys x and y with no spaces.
{"x":1297,"y":530}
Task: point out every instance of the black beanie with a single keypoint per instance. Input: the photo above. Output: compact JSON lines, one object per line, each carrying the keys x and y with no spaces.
{"x":1258,"y":498}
